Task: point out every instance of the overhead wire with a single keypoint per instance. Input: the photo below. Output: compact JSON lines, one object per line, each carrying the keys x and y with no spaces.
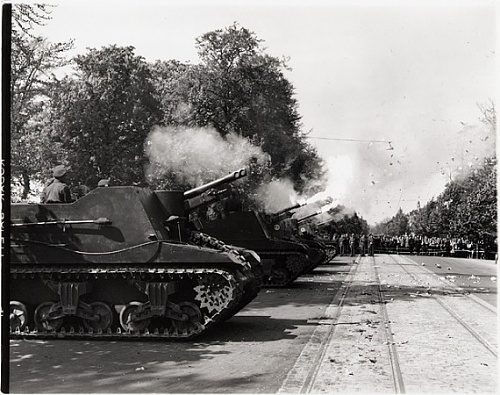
{"x":344,"y":139}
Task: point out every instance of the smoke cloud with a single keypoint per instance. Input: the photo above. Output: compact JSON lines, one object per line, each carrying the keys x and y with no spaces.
{"x":195,"y":156}
{"x":276,"y":195}
{"x":376,"y":179}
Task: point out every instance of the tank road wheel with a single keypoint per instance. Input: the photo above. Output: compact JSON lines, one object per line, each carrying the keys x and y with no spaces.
{"x":18,"y":315}
{"x":105,"y":317}
{"x":278,"y":278}
{"x":194,"y":314}
{"x":42,"y":320}
{"x":126,"y":321}
{"x":295,"y":264}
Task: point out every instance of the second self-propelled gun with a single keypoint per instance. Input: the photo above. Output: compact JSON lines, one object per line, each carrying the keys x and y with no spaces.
{"x":282,"y":225}
{"x":283,"y":261}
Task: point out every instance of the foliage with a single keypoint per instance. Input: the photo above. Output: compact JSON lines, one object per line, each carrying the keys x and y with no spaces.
{"x":467,"y":209}
{"x":33,"y":59}
{"x":475,"y":215}
{"x":398,"y":225}
{"x":239,"y":89}
{"x":345,"y":222}
{"x":245,"y":91}
{"x":104,"y":113}
{"x":174,"y":82}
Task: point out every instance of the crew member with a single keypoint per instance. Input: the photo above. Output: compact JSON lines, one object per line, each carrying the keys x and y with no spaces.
{"x":57,"y":190}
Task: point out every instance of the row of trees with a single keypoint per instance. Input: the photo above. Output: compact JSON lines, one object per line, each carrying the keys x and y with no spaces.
{"x":97,"y":118}
{"x":344,"y":221}
{"x":466,"y":209}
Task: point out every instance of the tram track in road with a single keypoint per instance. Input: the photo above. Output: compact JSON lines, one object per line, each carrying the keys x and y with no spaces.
{"x":351,"y":318}
{"x":457,"y":316}
{"x":303,"y":375}
{"x":446,"y":340}
{"x":387,"y":335}
{"x":397,"y":375}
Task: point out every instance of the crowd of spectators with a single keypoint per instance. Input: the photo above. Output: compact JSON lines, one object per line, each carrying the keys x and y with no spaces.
{"x":351,"y":244}
{"x":443,"y":246}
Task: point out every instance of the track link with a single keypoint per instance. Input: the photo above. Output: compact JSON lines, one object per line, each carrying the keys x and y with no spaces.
{"x":217,"y":293}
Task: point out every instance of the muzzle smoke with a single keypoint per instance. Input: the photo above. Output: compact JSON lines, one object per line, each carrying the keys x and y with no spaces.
{"x":194,"y":156}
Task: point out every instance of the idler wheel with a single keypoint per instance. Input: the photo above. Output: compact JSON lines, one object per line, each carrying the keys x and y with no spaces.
{"x":42,"y":319}
{"x":18,"y":315}
{"x":105,"y":317}
{"x":126,"y":318}
{"x":194,"y":314}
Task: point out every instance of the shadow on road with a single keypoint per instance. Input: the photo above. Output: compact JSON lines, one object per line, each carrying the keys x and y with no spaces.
{"x":251,"y":328}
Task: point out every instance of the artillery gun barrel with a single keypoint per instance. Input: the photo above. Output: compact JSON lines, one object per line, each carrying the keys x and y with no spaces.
{"x":235,"y":175}
{"x":288,"y":209}
{"x":303,"y":219}
{"x":97,"y":221}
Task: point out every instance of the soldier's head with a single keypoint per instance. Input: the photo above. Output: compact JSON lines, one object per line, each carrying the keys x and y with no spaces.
{"x":60,"y":172}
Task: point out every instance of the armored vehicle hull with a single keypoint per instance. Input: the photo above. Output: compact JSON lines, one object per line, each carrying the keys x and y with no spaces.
{"x":121,"y":263}
{"x":282,"y":261}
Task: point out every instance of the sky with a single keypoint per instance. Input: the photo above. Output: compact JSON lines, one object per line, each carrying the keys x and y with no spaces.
{"x":388,"y":91}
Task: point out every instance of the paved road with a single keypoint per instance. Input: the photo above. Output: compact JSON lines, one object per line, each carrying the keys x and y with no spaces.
{"x":477,"y":276}
{"x":251,"y":352}
{"x":264,"y":347}
{"x":397,"y":327}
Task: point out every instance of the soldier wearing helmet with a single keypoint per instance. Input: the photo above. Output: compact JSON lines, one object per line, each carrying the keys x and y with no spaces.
{"x":57,"y":190}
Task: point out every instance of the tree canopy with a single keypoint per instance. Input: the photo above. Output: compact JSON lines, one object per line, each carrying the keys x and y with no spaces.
{"x":467,"y":209}
{"x":33,"y":62}
{"x":97,"y":119}
{"x":104,"y":113}
{"x":238,"y":88}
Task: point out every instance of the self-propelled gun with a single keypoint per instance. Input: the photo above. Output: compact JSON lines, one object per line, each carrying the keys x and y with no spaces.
{"x":122,"y":263}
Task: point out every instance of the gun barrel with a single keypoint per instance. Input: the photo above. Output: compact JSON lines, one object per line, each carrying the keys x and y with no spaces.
{"x":288,"y":209}
{"x":300,"y":220}
{"x":235,"y":175}
{"x":97,"y":221}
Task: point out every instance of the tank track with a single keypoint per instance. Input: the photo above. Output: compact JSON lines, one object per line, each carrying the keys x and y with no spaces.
{"x":317,"y":257}
{"x":251,"y":291}
{"x":213,"y":302}
{"x":286,"y":270}
{"x":331,"y":250}
{"x":203,"y":240}
{"x":330,"y":254}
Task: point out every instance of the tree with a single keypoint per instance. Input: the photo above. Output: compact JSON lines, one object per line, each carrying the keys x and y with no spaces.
{"x":243,"y":90}
{"x":489,"y":115}
{"x":343,"y":221}
{"x":476,"y":212}
{"x":104,"y":113}
{"x":399,"y":224}
{"x":33,"y":60}
{"x":174,"y":84}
